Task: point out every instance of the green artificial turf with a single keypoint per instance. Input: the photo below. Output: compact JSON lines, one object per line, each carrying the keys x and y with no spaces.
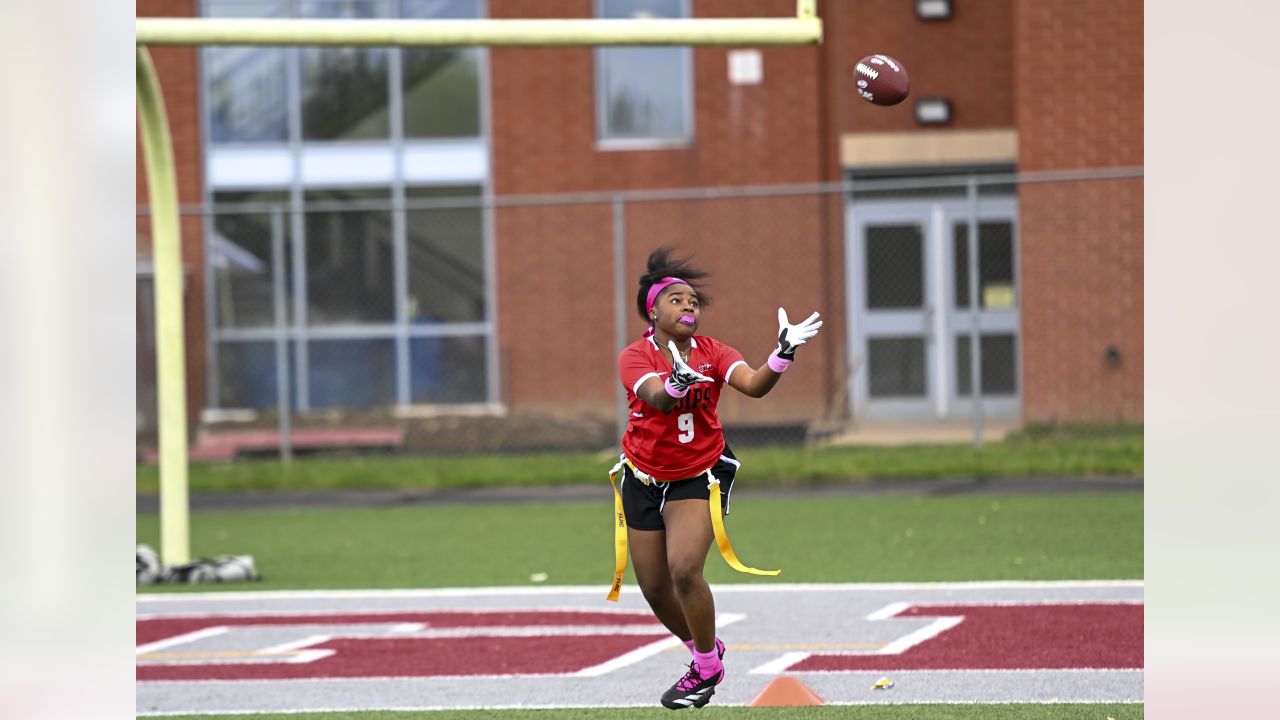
{"x":819,"y":539}
{"x":1100,"y":451}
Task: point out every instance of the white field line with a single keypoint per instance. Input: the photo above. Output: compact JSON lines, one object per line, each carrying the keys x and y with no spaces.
{"x":288,"y":647}
{"x":410,"y":632}
{"x":161,"y":599}
{"x":299,"y":652}
{"x":293,"y":652}
{"x":649,"y":650}
{"x":299,"y":656}
{"x":309,"y":656}
{"x":180,"y":639}
{"x":1009,"y":603}
{"x":630,"y":658}
{"x":939,"y":625}
{"x":531,"y":631}
{"x":779,"y":664}
{"x":906,"y":642}
{"x":542,"y":676}
{"x":461,"y":610}
{"x":907,"y":673}
{"x":432,"y":708}
{"x":889,"y":611}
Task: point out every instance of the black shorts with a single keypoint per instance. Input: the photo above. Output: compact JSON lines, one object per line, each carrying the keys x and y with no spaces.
{"x":643,"y":503}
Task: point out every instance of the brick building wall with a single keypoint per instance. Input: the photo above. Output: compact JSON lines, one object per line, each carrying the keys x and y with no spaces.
{"x":1079,"y":105}
{"x":1004,"y":64}
{"x":556,"y":260}
{"x":967,"y":59}
{"x":176,"y":69}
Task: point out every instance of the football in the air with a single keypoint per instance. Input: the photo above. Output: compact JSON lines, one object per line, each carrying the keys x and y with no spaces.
{"x":881,"y":80}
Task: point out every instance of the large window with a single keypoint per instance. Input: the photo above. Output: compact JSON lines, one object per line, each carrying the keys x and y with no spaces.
{"x":347,"y":250}
{"x":331,"y":270}
{"x":342,"y":93}
{"x":644,"y":95}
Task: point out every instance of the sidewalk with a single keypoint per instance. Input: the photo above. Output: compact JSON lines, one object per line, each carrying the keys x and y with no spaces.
{"x":922,"y":433}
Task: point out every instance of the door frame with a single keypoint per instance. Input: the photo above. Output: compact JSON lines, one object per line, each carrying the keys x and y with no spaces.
{"x":938,"y":319}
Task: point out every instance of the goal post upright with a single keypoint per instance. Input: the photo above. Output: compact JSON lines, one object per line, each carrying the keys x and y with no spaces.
{"x":803,"y":29}
{"x":166,"y":253}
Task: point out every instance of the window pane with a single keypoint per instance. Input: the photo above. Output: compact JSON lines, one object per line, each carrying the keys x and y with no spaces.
{"x":897,"y":367}
{"x":940,"y":182}
{"x":643,"y":92}
{"x":448,"y":369}
{"x":240,"y":255}
{"x":349,"y":260}
{"x":351,"y":373}
{"x":247,"y":97}
{"x":895,"y":266}
{"x":441,"y":84}
{"x":995,"y":264}
{"x":641,"y":9}
{"x":446,"y":259}
{"x":442,"y":9}
{"x":344,"y":89}
{"x":247,"y":374}
{"x":999,"y":366}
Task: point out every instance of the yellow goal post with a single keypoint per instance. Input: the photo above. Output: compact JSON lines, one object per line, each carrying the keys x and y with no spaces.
{"x":803,"y":29}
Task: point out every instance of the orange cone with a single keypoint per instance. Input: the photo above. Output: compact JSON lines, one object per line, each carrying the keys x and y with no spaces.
{"x":786,"y":691}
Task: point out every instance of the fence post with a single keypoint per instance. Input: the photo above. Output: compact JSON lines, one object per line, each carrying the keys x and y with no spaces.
{"x":975,"y":332}
{"x":620,"y":299}
{"x":281,"y":327}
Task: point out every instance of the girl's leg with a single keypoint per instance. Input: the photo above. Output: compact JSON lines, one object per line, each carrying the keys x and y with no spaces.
{"x":649,"y":560}
{"x":689,"y":537}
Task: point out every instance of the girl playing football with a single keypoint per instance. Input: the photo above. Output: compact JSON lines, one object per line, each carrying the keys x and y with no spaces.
{"x":675,"y":465}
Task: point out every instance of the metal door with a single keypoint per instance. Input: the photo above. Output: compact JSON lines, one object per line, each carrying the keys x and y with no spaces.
{"x":910,"y":322}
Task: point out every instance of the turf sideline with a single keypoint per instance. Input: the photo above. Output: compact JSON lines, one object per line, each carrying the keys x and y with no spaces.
{"x":596,"y":589}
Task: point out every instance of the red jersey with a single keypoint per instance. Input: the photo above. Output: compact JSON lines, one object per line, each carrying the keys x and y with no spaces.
{"x":688,"y":439}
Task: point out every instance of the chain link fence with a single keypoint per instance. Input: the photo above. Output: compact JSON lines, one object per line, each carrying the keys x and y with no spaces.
{"x":436,"y":319}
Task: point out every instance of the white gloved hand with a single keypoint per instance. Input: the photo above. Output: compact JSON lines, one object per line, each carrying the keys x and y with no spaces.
{"x":682,"y":376}
{"x":791,"y":336}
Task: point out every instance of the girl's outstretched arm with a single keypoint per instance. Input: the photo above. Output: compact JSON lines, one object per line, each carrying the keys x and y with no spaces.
{"x":758,"y":383}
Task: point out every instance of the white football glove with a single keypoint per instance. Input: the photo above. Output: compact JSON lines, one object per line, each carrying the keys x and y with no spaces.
{"x":682,"y":376}
{"x":791,"y":336}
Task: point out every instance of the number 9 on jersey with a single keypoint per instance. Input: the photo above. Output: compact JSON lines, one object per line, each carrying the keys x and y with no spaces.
{"x":685,"y":423}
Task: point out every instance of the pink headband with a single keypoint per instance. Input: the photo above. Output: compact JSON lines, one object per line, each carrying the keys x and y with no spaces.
{"x":657,"y":288}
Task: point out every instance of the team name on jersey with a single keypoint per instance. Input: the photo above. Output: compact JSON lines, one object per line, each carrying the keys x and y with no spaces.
{"x":698,"y":397}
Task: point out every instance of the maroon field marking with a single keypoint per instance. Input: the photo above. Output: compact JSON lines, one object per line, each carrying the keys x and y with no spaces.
{"x":420,"y":657}
{"x":1008,"y":637}
{"x":153,"y":629}
{"x":549,"y":650}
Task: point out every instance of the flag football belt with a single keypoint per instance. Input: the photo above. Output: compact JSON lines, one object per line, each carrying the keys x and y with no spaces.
{"x":620,"y":526}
